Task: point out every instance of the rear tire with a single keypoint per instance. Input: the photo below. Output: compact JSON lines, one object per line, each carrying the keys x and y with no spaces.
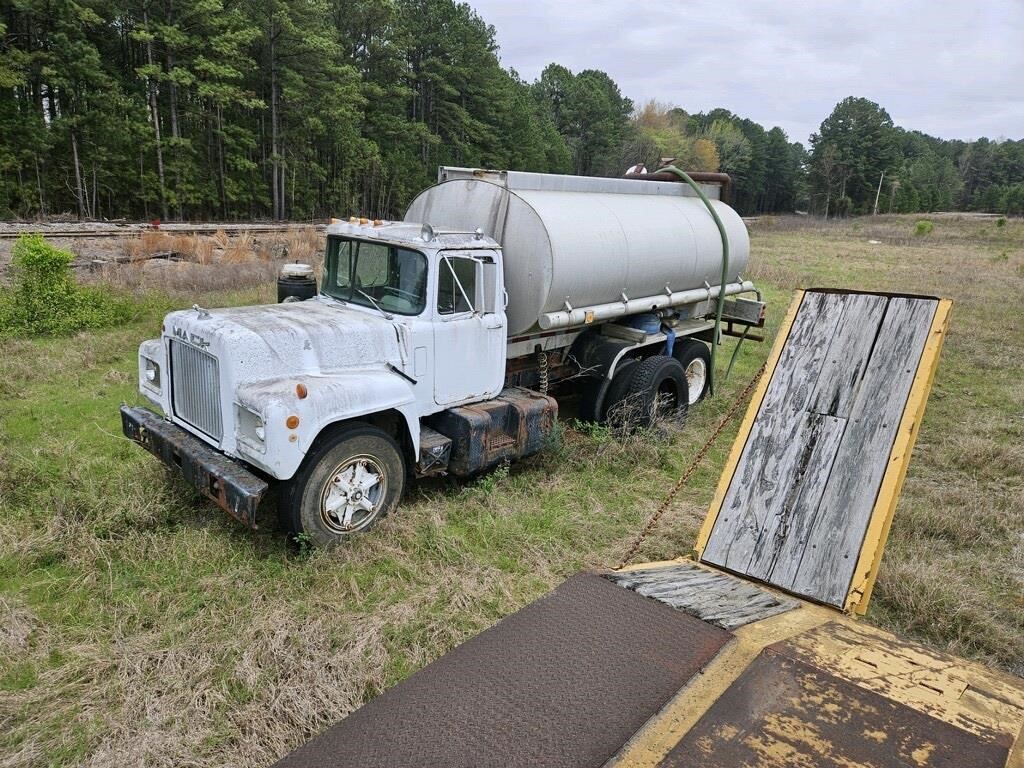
{"x":615,"y":399}
{"x":657,"y":390}
{"x":695,"y":357}
{"x":613,"y":393}
{"x":345,"y":485}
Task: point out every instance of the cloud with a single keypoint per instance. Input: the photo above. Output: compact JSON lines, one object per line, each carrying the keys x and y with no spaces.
{"x":948,"y":69}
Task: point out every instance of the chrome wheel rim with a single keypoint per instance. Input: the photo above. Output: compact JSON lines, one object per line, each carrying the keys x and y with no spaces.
{"x":696,"y":379}
{"x":353,"y":495}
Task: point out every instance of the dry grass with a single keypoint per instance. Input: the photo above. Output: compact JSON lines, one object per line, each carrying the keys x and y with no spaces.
{"x":184,"y":265}
{"x":141,"y":626}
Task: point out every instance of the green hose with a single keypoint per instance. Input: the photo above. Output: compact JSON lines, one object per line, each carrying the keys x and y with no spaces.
{"x":725,"y":265}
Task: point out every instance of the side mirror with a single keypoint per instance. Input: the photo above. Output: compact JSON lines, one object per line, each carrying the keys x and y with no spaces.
{"x":489,"y":286}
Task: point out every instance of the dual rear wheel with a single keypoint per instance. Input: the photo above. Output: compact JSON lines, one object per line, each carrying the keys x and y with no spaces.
{"x":657,"y":388}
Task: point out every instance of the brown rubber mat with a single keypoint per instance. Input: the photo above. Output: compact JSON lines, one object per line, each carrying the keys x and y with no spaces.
{"x":782,"y":712}
{"x":563,"y":683}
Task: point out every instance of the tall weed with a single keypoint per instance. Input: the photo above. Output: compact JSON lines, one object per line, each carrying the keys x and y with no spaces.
{"x":45,"y":300}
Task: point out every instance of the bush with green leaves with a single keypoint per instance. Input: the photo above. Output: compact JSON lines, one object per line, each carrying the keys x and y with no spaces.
{"x":45,"y":300}
{"x":923,"y":227}
{"x":1001,"y":221}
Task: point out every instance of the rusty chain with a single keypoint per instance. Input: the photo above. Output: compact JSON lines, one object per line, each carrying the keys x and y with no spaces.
{"x":653,"y":521}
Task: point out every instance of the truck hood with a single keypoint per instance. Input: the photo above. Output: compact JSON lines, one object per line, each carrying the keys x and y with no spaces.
{"x":315,"y":336}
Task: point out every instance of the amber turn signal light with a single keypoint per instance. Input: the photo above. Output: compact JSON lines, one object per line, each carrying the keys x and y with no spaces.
{"x":291,"y":422}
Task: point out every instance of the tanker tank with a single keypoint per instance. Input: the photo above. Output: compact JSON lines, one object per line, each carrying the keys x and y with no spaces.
{"x":581,"y":249}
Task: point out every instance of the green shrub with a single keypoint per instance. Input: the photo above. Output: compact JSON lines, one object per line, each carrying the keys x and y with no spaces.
{"x":923,"y":227}
{"x":1001,"y":221}
{"x":45,"y":300}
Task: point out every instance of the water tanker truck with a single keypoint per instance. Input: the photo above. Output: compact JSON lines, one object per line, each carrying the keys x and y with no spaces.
{"x":434,"y":345}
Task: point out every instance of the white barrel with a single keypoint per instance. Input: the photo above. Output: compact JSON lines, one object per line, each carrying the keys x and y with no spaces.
{"x":571,"y":243}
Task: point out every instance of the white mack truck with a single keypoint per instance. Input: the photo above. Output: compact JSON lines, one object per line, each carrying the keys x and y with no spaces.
{"x":433,"y":345}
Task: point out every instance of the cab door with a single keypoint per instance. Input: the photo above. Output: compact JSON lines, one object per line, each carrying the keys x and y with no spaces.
{"x":469,"y":327}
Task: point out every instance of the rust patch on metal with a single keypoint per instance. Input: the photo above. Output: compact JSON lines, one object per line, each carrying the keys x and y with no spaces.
{"x":782,"y":712}
{"x":980,"y":701}
{"x":435,"y":452}
{"x":514,"y":424}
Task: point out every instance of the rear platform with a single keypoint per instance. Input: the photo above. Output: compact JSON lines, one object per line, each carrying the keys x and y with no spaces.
{"x":749,"y":654}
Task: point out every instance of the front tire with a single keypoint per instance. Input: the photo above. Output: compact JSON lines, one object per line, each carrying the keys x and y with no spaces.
{"x":346,"y":484}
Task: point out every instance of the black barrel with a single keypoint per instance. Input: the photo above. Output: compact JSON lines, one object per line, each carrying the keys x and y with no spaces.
{"x":295,"y":282}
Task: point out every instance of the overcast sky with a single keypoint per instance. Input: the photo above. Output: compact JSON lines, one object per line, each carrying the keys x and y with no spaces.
{"x":950,"y":69}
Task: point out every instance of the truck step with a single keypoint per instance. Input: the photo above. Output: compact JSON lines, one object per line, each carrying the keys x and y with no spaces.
{"x":435,"y":452}
{"x":512,"y":425}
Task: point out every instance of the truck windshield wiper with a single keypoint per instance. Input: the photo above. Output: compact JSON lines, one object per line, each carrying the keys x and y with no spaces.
{"x":332,"y":297}
{"x":376,"y":306}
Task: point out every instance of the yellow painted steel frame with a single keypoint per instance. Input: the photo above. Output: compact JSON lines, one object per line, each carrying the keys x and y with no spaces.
{"x":870,"y":557}
{"x":877,"y":534}
{"x":747,"y":424}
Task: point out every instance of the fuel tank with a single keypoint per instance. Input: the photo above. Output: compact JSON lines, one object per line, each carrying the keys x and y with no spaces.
{"x":572,"y":242}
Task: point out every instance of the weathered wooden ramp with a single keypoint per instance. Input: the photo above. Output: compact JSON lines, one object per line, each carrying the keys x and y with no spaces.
{"x":806,"y":499}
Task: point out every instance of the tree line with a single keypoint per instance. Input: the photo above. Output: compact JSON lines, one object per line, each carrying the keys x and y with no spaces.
{"x":244,"y":109}
{"x":860,"y":162}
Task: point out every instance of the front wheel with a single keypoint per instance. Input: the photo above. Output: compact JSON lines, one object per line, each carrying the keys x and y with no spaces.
{"x":346,"y":485}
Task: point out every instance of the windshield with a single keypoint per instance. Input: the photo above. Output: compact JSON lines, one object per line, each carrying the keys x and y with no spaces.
{"x":395,"y":278}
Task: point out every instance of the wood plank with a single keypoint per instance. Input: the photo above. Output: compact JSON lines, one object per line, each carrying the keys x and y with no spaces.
{"x":780,"y":548}
{"x":712,"y":596}
{"x":835,"y":537}
{"x":761,"y":480}
{"x":746,"y":425}
{"x":866,"y":572}
{"x":841,"y":374}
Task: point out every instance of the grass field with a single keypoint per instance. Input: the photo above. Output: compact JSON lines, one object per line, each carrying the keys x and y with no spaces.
{"x":142,"y":626}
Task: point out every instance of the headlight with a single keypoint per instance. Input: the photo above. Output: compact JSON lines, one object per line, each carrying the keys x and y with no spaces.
{"x":250,"y":428}
{"x":151,"y":372}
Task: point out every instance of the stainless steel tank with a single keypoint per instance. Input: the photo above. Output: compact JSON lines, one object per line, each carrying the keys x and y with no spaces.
{"x":580,"y":249}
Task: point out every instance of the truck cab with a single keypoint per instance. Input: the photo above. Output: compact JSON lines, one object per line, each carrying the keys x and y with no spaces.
{"x":409,"y":321}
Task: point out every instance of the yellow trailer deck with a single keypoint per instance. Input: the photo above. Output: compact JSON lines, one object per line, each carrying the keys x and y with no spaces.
{"x":812,"y":687}
{"x":748,"y":652}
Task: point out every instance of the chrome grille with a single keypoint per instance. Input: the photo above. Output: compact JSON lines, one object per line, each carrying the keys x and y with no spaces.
{"x":195,"y":388}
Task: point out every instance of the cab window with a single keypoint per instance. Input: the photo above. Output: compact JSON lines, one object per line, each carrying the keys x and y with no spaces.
{"x":456,"y":285}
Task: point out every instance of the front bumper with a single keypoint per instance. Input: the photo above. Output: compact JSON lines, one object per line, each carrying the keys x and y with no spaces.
{"x":231,"y":486}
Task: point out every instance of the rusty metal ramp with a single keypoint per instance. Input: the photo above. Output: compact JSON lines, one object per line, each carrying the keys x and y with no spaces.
{"x":563,"y":683}
{"x":807,"y":495}
{"x":817,"y":689}
{"x":783,"y":712}
{"x":841,"y":695}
